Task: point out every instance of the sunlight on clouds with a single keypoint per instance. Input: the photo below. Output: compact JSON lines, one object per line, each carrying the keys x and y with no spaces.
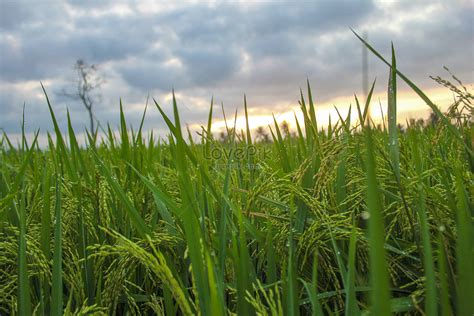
{"x":13,"y":44}
{"x":174,"y":62}
{"x":28,"y":88}
{"x":397,"y":21}
{"x":118,"y":9}
{"x":409,"y":106}
{"x":246,"y":62}
{"x":185,"y":102}
{"x":254,"y":121}
{"x":225,"y":49}
{"x":147,"y":7}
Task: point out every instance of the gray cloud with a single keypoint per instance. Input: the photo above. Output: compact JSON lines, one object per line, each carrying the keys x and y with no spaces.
{"x":265,"y":50}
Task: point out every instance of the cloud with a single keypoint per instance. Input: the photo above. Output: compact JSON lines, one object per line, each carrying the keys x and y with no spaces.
{"x":266,"y":50}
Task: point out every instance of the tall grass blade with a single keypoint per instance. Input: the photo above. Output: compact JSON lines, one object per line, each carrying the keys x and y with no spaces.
{"x":57,"y":286}
{"x":24,"y":300}
{"x":431,"y":305}
{"x":464,"y":247}
{"x":422,"y":95}
{"x":380,"y":294}
{"x":392,"y":117}
{"x":351,"y":300}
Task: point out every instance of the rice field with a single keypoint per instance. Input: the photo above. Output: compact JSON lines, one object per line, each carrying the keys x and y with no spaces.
{"x":354,"y":219}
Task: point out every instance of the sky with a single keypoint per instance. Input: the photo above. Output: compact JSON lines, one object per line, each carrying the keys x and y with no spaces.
{"x":265,"y":49}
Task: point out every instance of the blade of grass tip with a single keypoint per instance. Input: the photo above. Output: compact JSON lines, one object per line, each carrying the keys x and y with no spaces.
{"x":168,"y":122}
{"x":91,"y":140}
{"x":392,"y":117}
{"x":110,"y":138}
{"x":139,"y":133}
{"x":249,"y":144}
{"x":431,"y":306}
{"x":9,"y":143}
{"x":359,"y":112}
{"x":76,"y":150}
{"x":330,"y":127}
{"x":348,"y":118}
{"x":209,"y":118}
{"x":177,"y":122}
{"x":307,"y":181}
{"x":59,"y":139}
{"x":340,"y":184}
{"x":343,"y":122}
{"x":308,"y":126}
{"x":367,"y":102}
{"x":383,"y":116}
{"x":57,"y":286}
{"x":351,"y":301}
{"x":225,"y":118}
{"x":209,"y":129}
{"x":13,"y":214}
{"x":312,"y":110}
{"x":124,"y":134}
{"x":285,"y":161}
{"x":380,"y":295}
{"x":24,"y":300}
{"x":190,"y":137}
{"x":23,"y":136}
{"x":421,"y":94}
{"x":464,"y":247}
{"x":21,"y":171}
{"x":248,"y":135}
{"x":70,"y":133}
{"x":300,"y":136}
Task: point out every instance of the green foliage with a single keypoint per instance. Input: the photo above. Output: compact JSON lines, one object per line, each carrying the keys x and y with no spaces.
{"x":349,"y":220}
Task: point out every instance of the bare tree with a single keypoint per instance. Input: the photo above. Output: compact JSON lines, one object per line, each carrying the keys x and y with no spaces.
{"x":262,"y":135}
{"x":285,"y":127}
{"x":225,"y":137}
{"x":88,"y":83}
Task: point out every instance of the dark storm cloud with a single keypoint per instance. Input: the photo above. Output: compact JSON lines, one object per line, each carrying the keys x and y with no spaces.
{"x":266,"y":50}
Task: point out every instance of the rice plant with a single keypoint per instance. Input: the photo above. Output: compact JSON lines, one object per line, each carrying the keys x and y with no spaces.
{"x":351,"y":219}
